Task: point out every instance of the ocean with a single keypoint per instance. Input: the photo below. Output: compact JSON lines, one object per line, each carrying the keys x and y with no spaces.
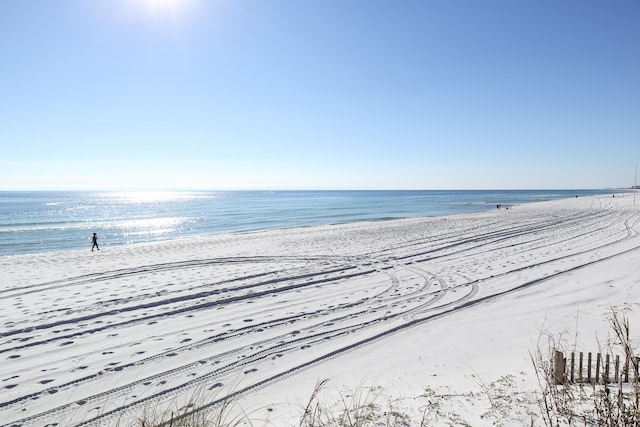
{"x":34,"y":222}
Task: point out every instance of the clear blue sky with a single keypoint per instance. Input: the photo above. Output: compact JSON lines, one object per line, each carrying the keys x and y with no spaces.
{"x":319,"y":94}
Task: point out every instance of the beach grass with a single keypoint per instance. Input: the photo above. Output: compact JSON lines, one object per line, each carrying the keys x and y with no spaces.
{"x":503,"y":401}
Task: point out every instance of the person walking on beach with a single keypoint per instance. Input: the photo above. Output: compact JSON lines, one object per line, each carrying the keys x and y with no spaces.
{"x":94,"y":239}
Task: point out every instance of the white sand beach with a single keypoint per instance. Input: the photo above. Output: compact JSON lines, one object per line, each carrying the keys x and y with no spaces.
{"x":450,"y":304}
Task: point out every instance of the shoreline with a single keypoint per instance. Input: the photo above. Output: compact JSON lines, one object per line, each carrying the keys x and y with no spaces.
{"x":163,"y":217}
{"x":430,"y":302}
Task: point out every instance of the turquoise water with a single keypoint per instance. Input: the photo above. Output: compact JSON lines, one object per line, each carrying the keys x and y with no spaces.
{"x":32,"y":222}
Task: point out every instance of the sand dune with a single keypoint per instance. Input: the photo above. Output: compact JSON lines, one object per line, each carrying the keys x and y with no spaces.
{"x":94,"y":338}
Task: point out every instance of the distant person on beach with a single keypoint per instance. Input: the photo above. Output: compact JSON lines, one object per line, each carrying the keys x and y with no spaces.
{"x":94,"y":239}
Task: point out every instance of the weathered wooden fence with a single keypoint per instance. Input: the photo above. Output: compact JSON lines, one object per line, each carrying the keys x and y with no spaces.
{"x":588,"y":370}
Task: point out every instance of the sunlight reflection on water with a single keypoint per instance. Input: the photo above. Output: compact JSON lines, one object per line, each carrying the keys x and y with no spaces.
{"x":150,"y":225}
{"x":153,"y":196}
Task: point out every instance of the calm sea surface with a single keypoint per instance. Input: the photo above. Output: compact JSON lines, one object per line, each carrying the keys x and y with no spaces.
{"x":32,"y":222}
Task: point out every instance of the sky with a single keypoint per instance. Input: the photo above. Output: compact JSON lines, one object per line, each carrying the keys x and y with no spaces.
{"x":319,"y":94}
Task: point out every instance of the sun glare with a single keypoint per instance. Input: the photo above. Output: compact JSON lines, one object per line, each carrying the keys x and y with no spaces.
{"x":164,"y":6}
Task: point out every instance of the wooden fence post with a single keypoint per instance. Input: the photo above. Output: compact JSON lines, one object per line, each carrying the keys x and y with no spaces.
{"x":573,"y":361}
{"x":626,"y":369}
{"x":558,"y":367}
{"x":580,"y":374}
